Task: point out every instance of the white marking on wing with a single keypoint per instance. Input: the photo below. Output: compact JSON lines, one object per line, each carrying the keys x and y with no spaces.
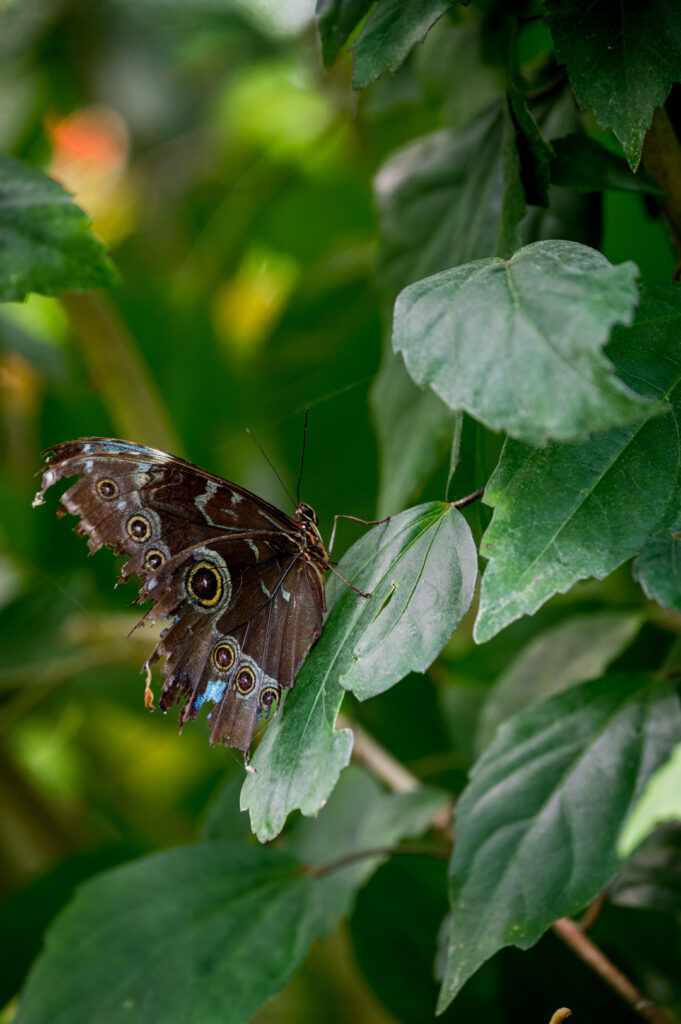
{"x":203,"y":499}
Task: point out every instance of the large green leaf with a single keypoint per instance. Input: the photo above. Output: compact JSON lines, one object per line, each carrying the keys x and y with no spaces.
{"x":568,"y":512}
{"x":46,"y":244}
{"x":569,"y":653}
{"x":168,"y":938}
{"x":391,"y":30}
{"x":658,"y":568}
{"x":420,"y":568}
{"x":336,"y":20}
{"x":652,"y":878}
{"x":622,"y":57}
{"x":537,"y":824}
{"x":518,"y":343}
{"x":205,"y":934}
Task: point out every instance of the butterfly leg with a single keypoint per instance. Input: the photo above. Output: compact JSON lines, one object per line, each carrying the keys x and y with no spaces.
{"x":364,"y":522}
{"x":340,"y":575}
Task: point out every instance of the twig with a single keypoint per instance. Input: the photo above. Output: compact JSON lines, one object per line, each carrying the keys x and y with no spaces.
{"x":469,"y":499}
{"x":560,"y":1015}
{"x":573,"y":936}
{"x":413,"y":849}
{"x":592,"y":913}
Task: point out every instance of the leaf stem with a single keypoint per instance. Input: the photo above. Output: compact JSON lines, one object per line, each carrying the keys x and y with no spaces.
{"x":573,"y":936}
{"x":413,"y":849}
{"x":469,"y":499}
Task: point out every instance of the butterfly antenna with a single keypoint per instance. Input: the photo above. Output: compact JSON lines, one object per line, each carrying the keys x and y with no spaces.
{"x":270,"y":464}
{"x":302,"y":456}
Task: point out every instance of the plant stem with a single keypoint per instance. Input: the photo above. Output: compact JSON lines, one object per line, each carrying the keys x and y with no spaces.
{"x":560,"y":1015}
{"x":413,"y":849}
{"x":469,"y":499}
{"x":573,"y":936}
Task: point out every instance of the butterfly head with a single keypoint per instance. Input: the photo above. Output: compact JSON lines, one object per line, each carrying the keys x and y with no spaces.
{"x":305,"y":514}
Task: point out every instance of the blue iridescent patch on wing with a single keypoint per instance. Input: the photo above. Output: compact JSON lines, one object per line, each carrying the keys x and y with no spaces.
{"x":214,"y":691}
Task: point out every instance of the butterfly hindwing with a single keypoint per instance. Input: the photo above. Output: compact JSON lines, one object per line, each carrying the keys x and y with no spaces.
{"x":224,"y":568}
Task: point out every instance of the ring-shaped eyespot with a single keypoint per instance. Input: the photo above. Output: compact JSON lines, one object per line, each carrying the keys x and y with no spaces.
{"x":245,"y":680}
{"x":204,"y":584}
{"x":107,"y":488}
{"x":224,"y":656}
{"x":268,"y":697}
{"x":154,"y":559}
{"x":139,"y":528}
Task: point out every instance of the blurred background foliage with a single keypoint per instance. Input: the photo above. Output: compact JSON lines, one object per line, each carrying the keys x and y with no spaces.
{"x":231,"y":178}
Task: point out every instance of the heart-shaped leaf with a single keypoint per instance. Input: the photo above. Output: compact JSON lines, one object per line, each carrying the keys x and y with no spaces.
{"x":518,"y":343}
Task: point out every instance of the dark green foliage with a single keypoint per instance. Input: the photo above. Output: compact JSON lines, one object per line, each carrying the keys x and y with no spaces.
{"x":469,"y":279}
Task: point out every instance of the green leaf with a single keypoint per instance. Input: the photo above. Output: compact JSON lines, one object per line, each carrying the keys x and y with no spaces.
{"x":652,"y":878}
{"x":658,"y":569}
{"x":421,"y":579}
{"x":572,"y":652}
{"x":569,"y":512}
{"x":455,"y":453}
{"x":336,"y":20}
{"x":46,"y":244}
{"x":414,"y":428}
{"x":518,"y":343}
{"x":622,"y":58}
{"x":420,"y":568}
{"x":390,"y":32}
{"x":438,"y":199}
{"x":537,"y":824}
{"x":168,"y":937}
{"x":583,"y":163}
{"x":660,"y":802}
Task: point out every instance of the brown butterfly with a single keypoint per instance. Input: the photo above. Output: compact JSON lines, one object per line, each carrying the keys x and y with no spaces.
{"x":240,"y":583}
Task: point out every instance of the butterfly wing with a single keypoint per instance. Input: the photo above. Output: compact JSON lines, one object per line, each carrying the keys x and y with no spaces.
{"x":222,"y":566}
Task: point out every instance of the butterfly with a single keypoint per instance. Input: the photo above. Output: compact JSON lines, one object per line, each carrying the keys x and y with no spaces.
{"x":240,"y":583}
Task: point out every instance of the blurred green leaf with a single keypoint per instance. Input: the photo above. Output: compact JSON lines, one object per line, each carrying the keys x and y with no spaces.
{"x":652,"y":878}
{"x":403,"y":563}
{"x":336,"y":20}
{"x":583,"y":163}
{"x":660,"y":802}
{"x":574,"y":651}
{"x":579,"y":515}
{"x":615,"y":62}
{"x":657,"y":567}
{"x":537,"y":825}
{"x":47,"y":245}
{"x":390,"y":32}
{"x":414,"y":427}
{"x":518,"y":344}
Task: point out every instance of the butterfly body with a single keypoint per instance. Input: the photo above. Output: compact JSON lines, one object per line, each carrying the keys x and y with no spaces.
{"x":239,"y":583}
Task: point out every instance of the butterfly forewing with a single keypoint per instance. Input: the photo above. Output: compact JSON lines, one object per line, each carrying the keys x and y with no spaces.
{"x":231,"y":574}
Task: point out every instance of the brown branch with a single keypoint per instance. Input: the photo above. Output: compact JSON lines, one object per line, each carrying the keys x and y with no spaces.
{"x":469,"y":499}
{"x":413,"y":849}
{"x":573,"y":936}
